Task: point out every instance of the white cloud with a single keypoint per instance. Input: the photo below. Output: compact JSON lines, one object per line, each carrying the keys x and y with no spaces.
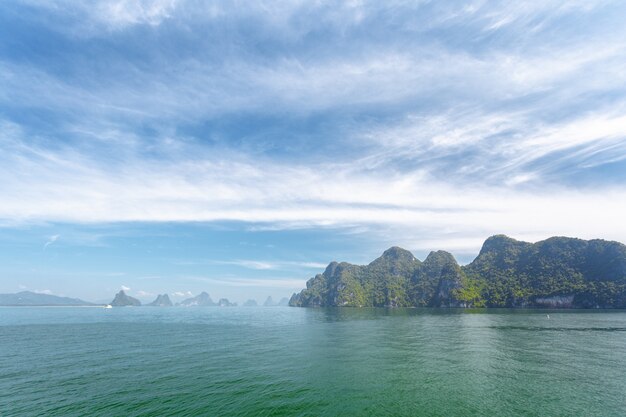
{"x":47,"y":292}
{"x":266,"y":265}
{"x":92,"y":16}
{"x":605,"y":126}
{"x":312,"y":265}
{"x":477,"y":131}
{"x":121,"y":13}
{"x":254,"y":264}
{"x":142,"y":293}
{"x":125,"y":288}
{"x":182,"y":294}
{"x":51,"y":240}
{"x":187,"y":89}
{"x":498,"y":15}
{"x":69,"y":187}
{"x":251,"y":282}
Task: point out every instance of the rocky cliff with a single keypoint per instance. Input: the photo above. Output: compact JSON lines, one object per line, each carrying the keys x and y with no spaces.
{"x":557,"y":272}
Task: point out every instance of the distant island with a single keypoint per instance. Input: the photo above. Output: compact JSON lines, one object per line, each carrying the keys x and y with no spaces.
{"x":29,"y":298}
{"x":269,"y":302}
{"x":204,"y":300}
{"x":162,"y":300}
{"x":558,"y":272}
{"x":121,"y":299}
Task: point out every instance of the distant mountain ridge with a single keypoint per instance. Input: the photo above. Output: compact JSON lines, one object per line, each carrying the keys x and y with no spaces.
{"x":29,"y":298}
{"x":557,"y":272}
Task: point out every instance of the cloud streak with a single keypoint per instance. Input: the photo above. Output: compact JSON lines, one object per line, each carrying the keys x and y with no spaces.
{"x":51,"y":240}
{"x":290,"y":284}
{"x":269,"y":265}
{"x":69,"y":187}
{"x":432,"y":120}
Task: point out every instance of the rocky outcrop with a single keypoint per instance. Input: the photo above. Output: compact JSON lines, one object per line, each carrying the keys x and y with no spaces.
{"x":162,"y":300}
{"x":223,"y":302}
{"x":201,"y":300}
{"x":123,"y":300}
{"x":558,"y":272}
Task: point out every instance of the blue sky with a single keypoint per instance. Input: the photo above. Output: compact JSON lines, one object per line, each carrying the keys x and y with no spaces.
{"x":237,"y":147}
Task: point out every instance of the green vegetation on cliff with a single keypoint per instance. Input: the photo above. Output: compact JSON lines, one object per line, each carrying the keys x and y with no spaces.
{"x":557,"y":272}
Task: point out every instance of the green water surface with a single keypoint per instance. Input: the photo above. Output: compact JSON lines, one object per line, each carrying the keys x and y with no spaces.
{"x":313,"y":362}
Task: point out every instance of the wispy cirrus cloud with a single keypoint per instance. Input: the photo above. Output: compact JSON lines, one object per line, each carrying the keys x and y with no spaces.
{"x":269,"y":265}
{"x":452,"y":120}
{"x":70,"y":187}
{"x":290,"y":284}
{"x":89,"y":17}
{"x":51,"y":240}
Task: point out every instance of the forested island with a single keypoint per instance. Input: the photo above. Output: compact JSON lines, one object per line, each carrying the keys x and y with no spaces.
{"x":558,"y":272}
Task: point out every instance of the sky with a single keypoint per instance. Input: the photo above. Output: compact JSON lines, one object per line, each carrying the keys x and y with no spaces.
{"x":238,"y":147}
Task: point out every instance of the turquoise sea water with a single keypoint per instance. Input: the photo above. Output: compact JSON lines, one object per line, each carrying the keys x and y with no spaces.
{"x":293,"y":361}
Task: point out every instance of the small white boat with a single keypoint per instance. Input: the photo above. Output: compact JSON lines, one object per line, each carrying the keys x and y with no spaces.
{"x":108,"y":306}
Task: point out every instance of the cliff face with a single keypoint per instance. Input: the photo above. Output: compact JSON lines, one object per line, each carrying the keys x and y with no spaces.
{"x":557,"y":272}
{"x":511,"y":273}
{"x":396,"y":279}
{"x":434,"y":283}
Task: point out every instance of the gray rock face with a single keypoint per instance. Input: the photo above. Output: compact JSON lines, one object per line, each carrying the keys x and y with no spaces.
{"x":283,"y":302}
{"x":435,"y":280}
{"x":162,"y":300}
{"x":269,"y":302}
{"x":201,"y":300}
{"x":123,"y":300}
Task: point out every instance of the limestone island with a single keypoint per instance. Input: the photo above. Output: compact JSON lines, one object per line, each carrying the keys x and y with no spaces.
{"x":559,"y":272}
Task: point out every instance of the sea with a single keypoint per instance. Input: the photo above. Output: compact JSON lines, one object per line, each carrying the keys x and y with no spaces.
{"x":282,"y":361}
